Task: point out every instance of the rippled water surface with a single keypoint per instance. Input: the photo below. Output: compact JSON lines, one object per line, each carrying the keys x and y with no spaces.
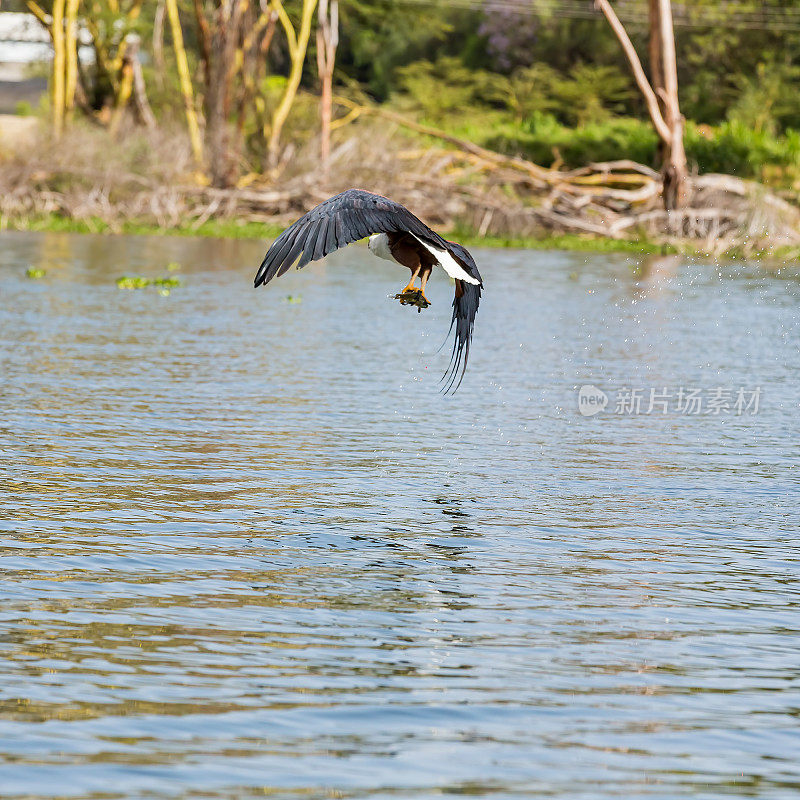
{"x":247,"y":549}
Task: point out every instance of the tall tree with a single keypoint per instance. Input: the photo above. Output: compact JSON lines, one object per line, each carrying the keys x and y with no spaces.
{"x":220,"y":32}
{"x":59,"y":61}
{"x":233,"y":39}
{"x":661,"y":95}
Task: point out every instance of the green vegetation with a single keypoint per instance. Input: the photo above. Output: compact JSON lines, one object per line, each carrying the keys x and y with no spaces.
{"x":212,"y":228}
{"x":163,"y":285}
{"x":571,"y":120}
{"x":231,"y":229}
{"x":166,"y":283}
{"x":132,"y":282}
{"x":34,"y":273}
{"x":730,"y":148}
{"x":564,"y":241}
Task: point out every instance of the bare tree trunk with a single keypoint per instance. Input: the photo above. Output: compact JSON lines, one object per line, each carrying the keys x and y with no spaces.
{"x":216,"y":134}
{"x":655,"y":51}
{"x":186,"y":81}
{"x":219,"y":55}
{"x":674,"y":169}
{"x":662,"y":102}
{"x":57,"y":89}
{"x":298,"y":45}
{"x":132,"y":86}
{"x":71,"y":48}
{"x":143,"y":110}
{"x":327,"y":42}
{"x":656,"y":66}
{"x":217,"y":138}
{"x":158,"y":44}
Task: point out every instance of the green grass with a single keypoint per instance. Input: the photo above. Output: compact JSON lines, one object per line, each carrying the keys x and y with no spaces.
{"x":231,"y":229}
{"x":216,"y":229}
{"x":564,"y":241}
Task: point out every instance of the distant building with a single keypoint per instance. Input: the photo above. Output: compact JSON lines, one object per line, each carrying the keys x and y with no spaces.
{"x":24,"y":43}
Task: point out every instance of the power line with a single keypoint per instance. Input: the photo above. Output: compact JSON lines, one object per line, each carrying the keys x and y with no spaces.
{"x":766,"y":18}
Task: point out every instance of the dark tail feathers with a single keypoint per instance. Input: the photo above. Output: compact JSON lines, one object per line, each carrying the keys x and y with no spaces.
{"x":465,"y":307}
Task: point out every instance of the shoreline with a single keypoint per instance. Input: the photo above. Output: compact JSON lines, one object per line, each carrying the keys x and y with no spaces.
{"x":231,"y":229}
{"x":267,"y":231}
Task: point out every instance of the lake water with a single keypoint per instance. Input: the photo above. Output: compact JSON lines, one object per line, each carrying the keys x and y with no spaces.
{"x":248,"y":550}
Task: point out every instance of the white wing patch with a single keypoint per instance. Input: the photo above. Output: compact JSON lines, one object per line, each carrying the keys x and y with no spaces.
{"x":448,"y":263}
{"x":379,"y":244}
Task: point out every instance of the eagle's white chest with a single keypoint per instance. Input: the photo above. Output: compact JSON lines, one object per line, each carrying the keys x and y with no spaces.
{"x":379,"y":246}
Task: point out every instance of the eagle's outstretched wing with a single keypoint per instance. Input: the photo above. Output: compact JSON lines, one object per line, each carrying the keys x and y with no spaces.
{"x":339,"y":221}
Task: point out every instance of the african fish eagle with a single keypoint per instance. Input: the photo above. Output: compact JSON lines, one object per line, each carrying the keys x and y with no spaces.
{"x":394,"y":234}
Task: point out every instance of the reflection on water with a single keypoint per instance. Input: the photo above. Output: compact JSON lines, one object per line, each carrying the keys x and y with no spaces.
{"x":247,"y":549}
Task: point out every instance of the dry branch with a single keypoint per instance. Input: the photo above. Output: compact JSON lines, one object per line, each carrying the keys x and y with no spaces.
{"x":447,"y":186}
{"x":662,"y":129}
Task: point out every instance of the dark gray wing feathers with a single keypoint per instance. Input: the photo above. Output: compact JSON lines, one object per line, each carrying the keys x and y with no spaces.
{"x":339,"y":221}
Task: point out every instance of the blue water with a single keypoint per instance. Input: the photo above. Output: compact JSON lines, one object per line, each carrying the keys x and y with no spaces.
{"x":247,"y":550}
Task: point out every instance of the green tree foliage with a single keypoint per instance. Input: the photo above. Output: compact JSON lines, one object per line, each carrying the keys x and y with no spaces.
{"x":592,"y":92}
{"x":446,"y":87}
{"x":767,"y":100}
{"x":379,"y":36}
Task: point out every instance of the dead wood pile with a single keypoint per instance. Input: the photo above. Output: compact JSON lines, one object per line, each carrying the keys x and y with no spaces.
{"x":459,"y":185}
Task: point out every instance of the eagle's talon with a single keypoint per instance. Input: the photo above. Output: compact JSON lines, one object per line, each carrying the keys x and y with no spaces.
{"x":413,"y":297}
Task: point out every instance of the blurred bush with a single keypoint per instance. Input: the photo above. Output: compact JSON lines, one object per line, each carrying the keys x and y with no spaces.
{"x":572,"y":118}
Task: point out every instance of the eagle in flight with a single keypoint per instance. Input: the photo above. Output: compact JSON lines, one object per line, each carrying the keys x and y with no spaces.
{"x":394,"y":234}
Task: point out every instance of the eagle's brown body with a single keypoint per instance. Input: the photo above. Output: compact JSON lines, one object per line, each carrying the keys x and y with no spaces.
{"x":409,"y":251}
